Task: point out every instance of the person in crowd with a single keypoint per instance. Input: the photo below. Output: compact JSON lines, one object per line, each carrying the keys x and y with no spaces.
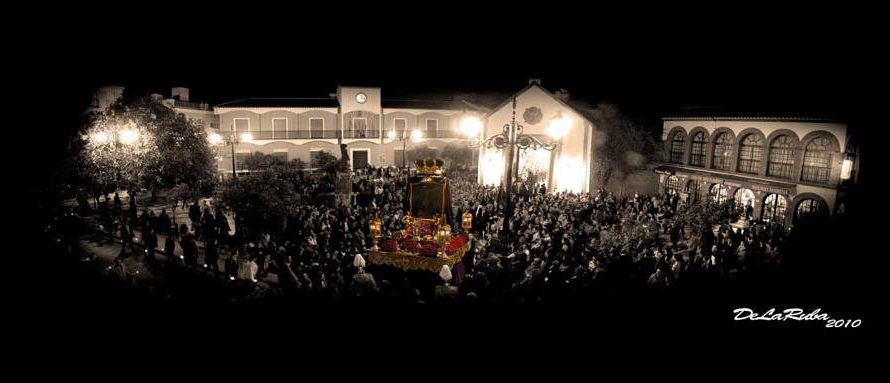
{"x":558,"y":244}
{"x":211,"y":255}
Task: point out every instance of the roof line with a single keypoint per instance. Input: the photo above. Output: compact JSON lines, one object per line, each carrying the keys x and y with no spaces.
{"x":549,"y":93}
{"x":749,"y":118}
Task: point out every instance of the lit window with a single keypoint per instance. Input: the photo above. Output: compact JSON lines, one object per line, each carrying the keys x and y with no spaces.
{"x":750,"y":153}
{"x":677,"y":147}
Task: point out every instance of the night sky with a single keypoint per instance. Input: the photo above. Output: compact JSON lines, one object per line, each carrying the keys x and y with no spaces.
{"x":650,"y":65}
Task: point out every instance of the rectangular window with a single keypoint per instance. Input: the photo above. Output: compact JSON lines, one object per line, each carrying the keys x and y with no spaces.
{"x":239,"y":161}
{"x":359,"y":127}
{"x":316,"y":127}
{"x":432,"y":128}
{"x":241,"y":124}
{"x":314,"y":156}
{"x":398,"y":156}
{"x":399,"y":125}
{"x":279,"y":128}
{"x":280,"y":156}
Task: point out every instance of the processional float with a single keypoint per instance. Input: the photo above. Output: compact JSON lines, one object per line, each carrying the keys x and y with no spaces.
{"x":426,"y":241}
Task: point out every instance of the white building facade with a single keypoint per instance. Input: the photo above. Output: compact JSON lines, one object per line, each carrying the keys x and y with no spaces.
{"x":786,"y":168}
{"x":377,"y":131}
{"x":566,"y":168}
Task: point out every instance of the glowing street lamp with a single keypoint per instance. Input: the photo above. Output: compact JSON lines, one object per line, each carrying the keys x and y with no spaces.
{"x":416,"y":135}
{"x":100,"y":137}
{"x":470,"y":126}
{"x":215,"y":139}
{"x":233,"y":139}
{"x":558,"y":126}
{"x":128,"y":136}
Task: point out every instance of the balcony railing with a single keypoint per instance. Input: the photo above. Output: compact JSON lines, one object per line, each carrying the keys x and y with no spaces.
{"x":191,"y":105}
{"x":332,"y":134}
{"x":361,"y":133}
{"x":294,"y":134}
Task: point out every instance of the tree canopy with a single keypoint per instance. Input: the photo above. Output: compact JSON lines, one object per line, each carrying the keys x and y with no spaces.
{"x":622,"y":145}
{"x":142,"y":143}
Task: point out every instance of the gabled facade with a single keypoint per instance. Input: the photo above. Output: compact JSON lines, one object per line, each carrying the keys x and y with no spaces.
{"x":566,"y":168}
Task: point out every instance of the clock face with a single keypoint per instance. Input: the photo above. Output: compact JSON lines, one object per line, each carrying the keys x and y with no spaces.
{"x":361,"y":98}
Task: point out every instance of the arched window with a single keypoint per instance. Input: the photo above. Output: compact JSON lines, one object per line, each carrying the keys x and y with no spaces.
{"x":781,"y":157}
{"x":697,"y":155}
{"x":672,"y":185}
{"x":677,"y":147}
{"x":774,"y":207}
{"x":817,"y":161}
{"x":750,"y":152}
{"x":722,"y":151}
{"x":743,"y":197}
{"x":719,"y":193}
{"x":807,"y":209}
{"x":694,"y":191}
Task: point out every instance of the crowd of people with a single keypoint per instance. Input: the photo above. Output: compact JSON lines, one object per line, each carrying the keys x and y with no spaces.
{"x":554,"y":246}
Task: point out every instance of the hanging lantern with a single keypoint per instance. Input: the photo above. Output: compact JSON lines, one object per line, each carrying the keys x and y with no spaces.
{"x":466,"y":221}
{"x":443,"y":235}
{"x":374,"y":227}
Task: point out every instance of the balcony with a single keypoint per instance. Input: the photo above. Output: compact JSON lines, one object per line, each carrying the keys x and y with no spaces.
{"x":332,"y":134}
{"x":361,"y":133}
{"x":191,"y":105}
{"x":294,"y":135}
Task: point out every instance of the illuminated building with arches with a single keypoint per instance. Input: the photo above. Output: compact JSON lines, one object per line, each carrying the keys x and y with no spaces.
{"x":787,"y":168}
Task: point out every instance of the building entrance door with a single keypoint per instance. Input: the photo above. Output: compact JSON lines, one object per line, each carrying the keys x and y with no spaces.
{"x":359,"y":159}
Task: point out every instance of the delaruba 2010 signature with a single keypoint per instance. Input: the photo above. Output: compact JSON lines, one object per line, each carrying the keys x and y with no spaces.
{"x":795,"y":314}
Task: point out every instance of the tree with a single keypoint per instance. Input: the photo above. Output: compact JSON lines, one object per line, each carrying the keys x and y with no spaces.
{"x":621,"y":145}
{"x":412,"y":155}
{"x":262,"y":200}
{"x":327,"y":162}
{"x":704,"y":216}
{"x":142,"y":143}
{"x":457,"y":155}
{"x":259,"y":161}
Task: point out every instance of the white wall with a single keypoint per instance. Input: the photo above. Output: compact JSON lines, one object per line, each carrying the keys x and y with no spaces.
{"x":571,"y":169}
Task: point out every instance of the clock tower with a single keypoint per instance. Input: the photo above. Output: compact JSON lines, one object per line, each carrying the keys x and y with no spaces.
{"x":358,"y":99}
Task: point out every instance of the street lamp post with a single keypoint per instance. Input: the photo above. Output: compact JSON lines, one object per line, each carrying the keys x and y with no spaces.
{"x":233,"y":139}
{"x":512,"y":138}
{"x":416,"y":135}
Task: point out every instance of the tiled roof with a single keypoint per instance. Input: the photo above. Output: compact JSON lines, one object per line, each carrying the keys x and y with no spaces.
{"x":701,"y":114}
{"x":431,"y":104}
{"x":281,"y":103}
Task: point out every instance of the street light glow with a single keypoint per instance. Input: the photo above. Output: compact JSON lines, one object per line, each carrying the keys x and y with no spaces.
{"x":391,"y":134}
{"x":470,"y":126}
{"x":246,"y":136}
{"x":558,"y":127}
{"x":128,"y":136}
{"x":416,"y":135}
{"x":100,"y":137}
{"x":846,"y":169}
{"x":215,"y":139}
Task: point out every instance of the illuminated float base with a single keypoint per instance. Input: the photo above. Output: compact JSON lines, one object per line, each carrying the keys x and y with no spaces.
{"x":412,"y":261}
{"x":426,"y":242}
